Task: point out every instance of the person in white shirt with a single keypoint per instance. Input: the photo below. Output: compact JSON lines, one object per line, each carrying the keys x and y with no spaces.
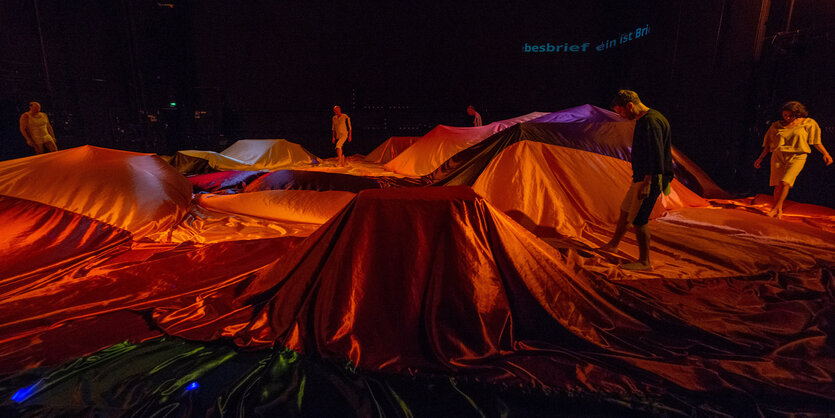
{"x":36,"y":129}
{"x":341,"y":132}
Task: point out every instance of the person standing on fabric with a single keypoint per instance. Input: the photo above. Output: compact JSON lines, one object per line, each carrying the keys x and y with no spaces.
{"x":788,"y":141}
{"x":341,"y":130}
{"x":652,"y":172}
{"x":36,"y":129}
{"x":476,"y":117}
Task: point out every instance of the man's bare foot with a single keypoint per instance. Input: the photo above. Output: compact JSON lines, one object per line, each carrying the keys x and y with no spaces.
{"x":636,"y":266}
{"x":775,"y":213}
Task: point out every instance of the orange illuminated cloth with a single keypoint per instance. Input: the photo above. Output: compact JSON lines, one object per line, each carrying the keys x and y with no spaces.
{"x":71,"y":284}
{"x":281,"y":205}
{"x":586,"y":127}
{"x":553,"y":189}
{"x":206,"y":226}
{"x":140,"y":193}
{"x":249,"y":154}
{"x":438,"y":280}
{"x":390,"y":149}
{"x":442,"y":142}
{"x":433,"y":279}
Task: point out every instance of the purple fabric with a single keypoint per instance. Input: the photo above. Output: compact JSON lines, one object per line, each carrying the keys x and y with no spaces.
{"x":223,"y":180}
{"x":584,"y":113}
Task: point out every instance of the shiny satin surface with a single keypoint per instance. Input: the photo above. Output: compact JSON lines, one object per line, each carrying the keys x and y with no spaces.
{"x":248,"y":155}
{"x":444,"y":281}
{"x":281,"y":205}
{"x":584,"y":113}
{"x":140,"y":193}
{"x":438,"y":280}
{"x":551,"y":189}
{"x":170,"y":377}
{"x":261,"y":154}
{"x":223,"y":180}
{"x":70,"y":285}
{"x":442,"y":142}
{"x":586,"y":127}
{"x":390,"y":149}
{"x":205,"y":226}
{"x":37,"y":238}
{"x":325,"y":180}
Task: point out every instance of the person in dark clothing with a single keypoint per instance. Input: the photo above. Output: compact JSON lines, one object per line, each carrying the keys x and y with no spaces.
{"x":652,"y":172}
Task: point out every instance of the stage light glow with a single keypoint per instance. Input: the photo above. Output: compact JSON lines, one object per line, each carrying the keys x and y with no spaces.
{"x":192,"y":386}
{"x":24,"y":394}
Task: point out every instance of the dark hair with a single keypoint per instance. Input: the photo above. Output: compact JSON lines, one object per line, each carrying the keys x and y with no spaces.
{"x":622,"y":97}
{"x":797,"y":109}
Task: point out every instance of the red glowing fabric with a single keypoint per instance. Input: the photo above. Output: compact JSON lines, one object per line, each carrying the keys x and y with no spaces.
{"x":438,"y":280}
{"x":77,"y":267}
{"x":70,"y":285}
{"x":223,"y":180}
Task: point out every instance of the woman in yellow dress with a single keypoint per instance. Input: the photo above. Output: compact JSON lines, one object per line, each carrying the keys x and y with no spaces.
{"x":788,"y":140}
{"x":35,"y":127}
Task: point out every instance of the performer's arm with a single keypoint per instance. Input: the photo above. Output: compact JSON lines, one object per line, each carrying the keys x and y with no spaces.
{"x":815,"y":141}
{"x":24,"y":128}
{"x":760,"y":158}
{"x":827,"y":159}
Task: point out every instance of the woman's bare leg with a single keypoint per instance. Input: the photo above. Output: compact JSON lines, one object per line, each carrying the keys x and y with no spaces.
{"x":780,"y":192}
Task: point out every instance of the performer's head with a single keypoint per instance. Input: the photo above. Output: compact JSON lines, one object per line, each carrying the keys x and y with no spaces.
{"x":337,"y":110}
{"x":793,"y":110}
{"x":34,"y":107}
{"x":471,"y":110}
{"x":627,"y":104}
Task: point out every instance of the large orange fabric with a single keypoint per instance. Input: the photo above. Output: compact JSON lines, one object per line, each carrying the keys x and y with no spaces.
{"x":248,"y":154}
{"x":586,"y":127}
{"x":439,"y":280}
{"x":37,"y":239}
{"x":442,"y":142}
{"x":205,"y":226}
{"x":426,"y":279}
{"x":281,"y":205}
{"x":552,"y":189}
{"x":70,"y":285}
{"x":390,"y":149}
{"x":140,"y":193}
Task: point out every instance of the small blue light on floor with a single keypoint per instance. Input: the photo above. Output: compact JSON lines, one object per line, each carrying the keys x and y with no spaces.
{"x":192,"y":386}
{"x":24,"y":394}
